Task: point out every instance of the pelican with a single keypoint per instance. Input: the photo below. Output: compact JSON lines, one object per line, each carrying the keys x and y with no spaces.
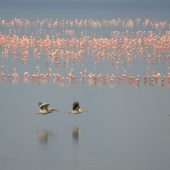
{"x":77,"y":109}
{"x":44,"y":109}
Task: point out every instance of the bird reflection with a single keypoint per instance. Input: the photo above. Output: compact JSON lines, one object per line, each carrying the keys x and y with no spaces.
{"x":44,"y":136}
{"x":76,"y":133}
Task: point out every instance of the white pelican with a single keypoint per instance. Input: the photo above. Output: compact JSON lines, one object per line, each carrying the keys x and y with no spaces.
{"x":44,"y":109}
{"x":77,"y":109}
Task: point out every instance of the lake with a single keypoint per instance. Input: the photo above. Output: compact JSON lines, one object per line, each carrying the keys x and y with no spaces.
{"x":126,"y":126}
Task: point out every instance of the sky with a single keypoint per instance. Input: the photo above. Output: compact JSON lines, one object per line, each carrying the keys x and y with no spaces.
{"x":68,"y":8}
{"x":153,"y":1}
{"x":24,"y":2}
{"x":84,"y":1}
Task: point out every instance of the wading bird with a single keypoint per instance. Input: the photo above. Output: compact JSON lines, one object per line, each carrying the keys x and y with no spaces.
{"x":44,"y":109}
{"x":76,"y":109}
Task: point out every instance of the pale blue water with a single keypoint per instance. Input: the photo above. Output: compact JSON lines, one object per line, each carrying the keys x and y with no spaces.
{"x":125,"y":128}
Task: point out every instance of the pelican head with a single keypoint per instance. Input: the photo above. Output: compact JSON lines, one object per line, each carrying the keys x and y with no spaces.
{"x":76,"y":109}
{"x":44,"y":109}
{"x":82,"y":110}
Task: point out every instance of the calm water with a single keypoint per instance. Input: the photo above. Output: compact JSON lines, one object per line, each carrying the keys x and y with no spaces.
{"x":125,"y":128}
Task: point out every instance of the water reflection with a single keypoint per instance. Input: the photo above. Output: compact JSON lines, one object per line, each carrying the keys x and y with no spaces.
{"x":44,"y":136}
{"x":76,"y":133}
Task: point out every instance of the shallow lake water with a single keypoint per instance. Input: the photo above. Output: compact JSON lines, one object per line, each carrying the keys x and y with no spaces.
{"x":124,"y":128}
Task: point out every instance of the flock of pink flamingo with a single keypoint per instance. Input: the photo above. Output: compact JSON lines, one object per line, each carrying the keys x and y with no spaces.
{"x":64,"y":44}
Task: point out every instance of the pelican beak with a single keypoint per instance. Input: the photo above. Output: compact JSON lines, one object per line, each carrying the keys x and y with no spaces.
{"x":56,"y":110}
{"x":83,"y":110}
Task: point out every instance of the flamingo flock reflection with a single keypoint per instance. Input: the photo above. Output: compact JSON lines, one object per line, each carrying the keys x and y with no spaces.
{"x":80,"y":50}
{"x":92,"y":79}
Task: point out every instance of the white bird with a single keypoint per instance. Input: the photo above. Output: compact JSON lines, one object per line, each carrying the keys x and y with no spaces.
{"x":44,"y":109}
{"x":76,"y":109}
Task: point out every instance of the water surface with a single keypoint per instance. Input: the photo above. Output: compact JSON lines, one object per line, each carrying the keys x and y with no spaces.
{"x":125,"y":127}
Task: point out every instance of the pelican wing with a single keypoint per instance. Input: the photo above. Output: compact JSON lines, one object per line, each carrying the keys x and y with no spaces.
{"x":76,"y":106}
{"x":44,"y":106}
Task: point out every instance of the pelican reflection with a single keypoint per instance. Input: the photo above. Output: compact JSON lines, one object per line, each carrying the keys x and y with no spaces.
{"x":76,"y":133}
{"x":44,"y":136}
